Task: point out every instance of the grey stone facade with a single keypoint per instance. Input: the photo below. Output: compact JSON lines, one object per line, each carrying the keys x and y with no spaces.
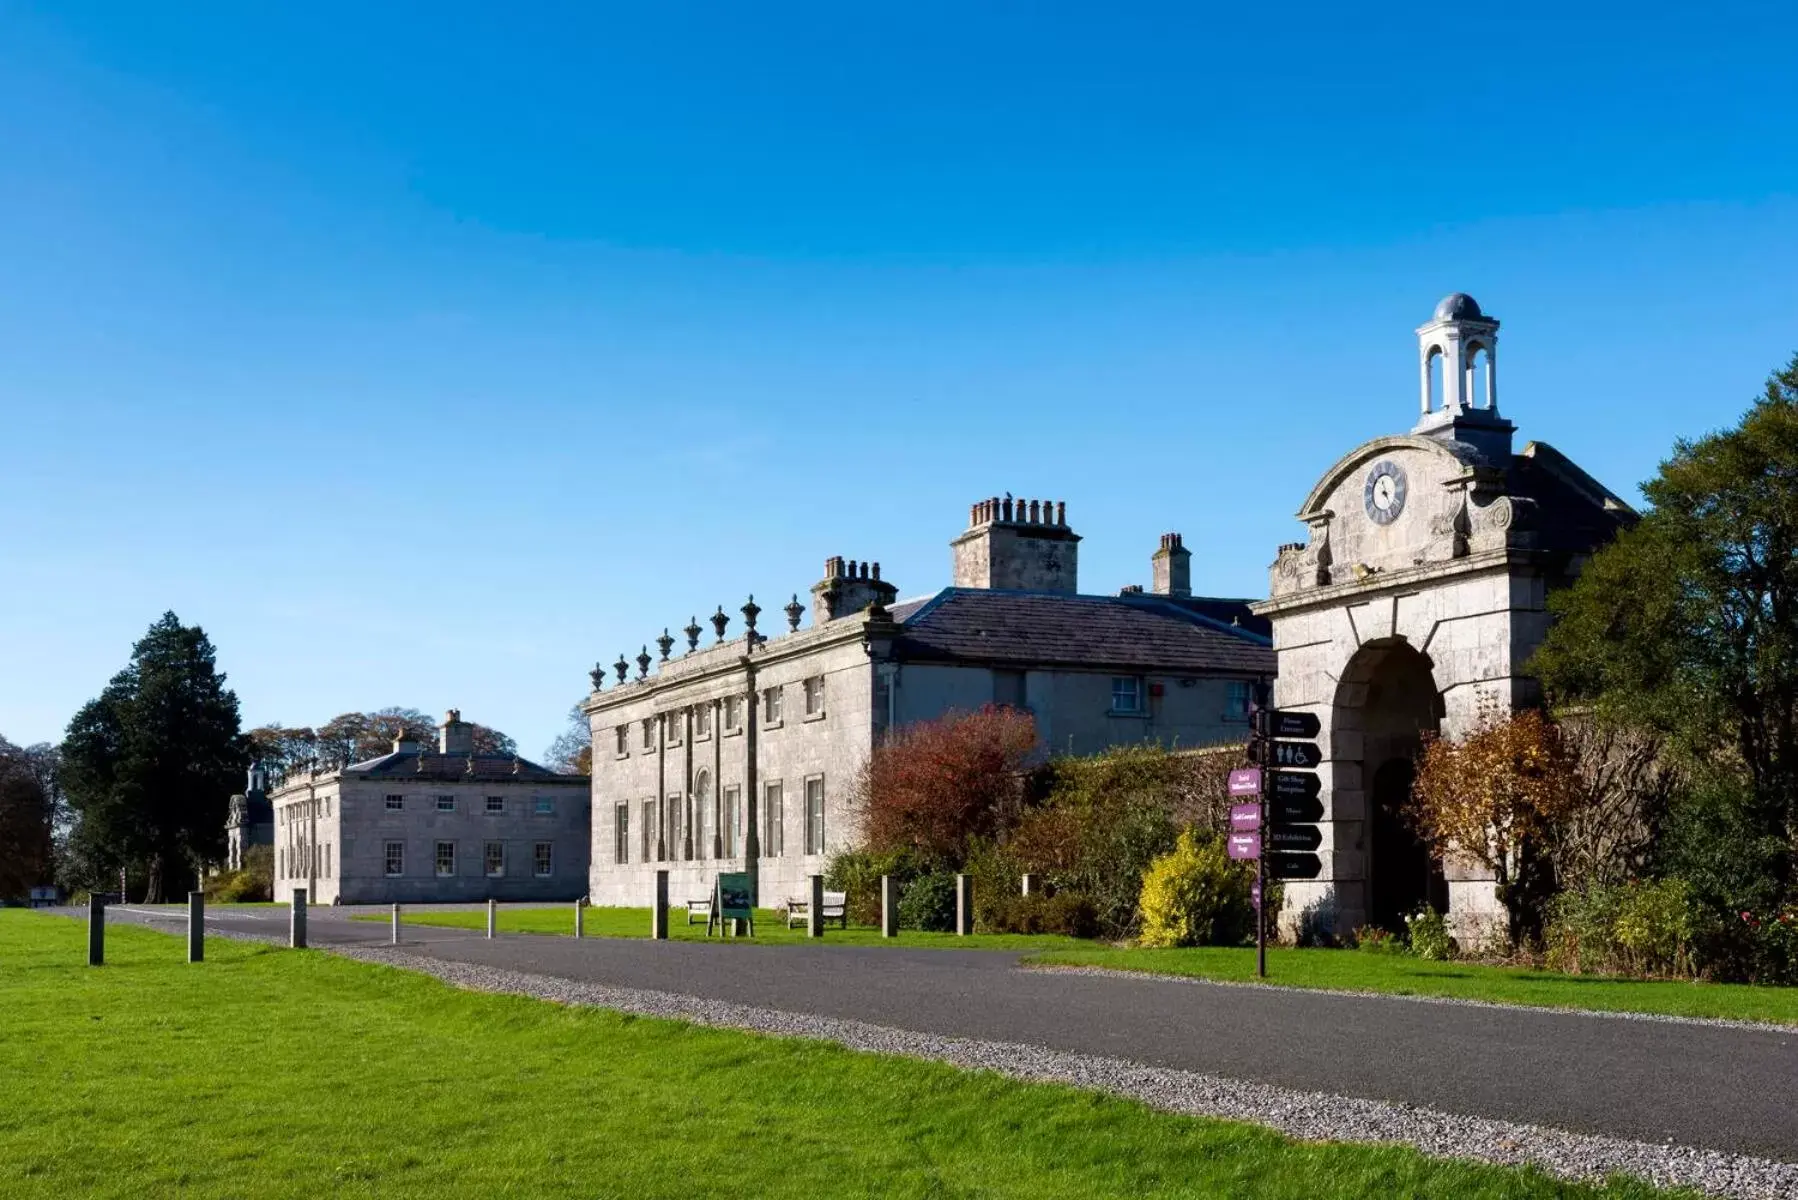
{"x":424,"y":825}
{"x":741,"y":755}
{"x":1412,"y":608}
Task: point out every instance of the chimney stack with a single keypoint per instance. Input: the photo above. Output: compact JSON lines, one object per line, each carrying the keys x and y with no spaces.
{"x":847,"y":588}
{"x":1171,"y":566}
{"x":455,"y":736}
{"x":1021,"y":545}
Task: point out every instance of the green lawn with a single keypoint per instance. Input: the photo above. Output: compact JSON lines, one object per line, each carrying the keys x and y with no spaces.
{"x":770,"y":928}
{"x":1351,"y":970}
{"x":267,"y":1072}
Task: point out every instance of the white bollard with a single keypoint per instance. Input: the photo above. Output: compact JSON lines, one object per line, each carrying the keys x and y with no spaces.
{"x":578,"y":917}
{"x":492,"y":916}
{"x":396,"y":924}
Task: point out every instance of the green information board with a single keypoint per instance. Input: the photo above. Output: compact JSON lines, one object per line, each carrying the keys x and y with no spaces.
{"x":730,"y":901}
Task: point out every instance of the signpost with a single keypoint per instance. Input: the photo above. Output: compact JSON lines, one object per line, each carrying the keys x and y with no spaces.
{"x":1280,"y":832}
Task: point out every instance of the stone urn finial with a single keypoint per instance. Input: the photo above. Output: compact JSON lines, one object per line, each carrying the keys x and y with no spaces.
{"x":794,"y":611}
{"x":598,"y":676}
{"x":719,"y":621}
{"x":643,"y":664}
{"x":692,"y":632}
{"x":622,"y":666}
{"x":665,"y":643}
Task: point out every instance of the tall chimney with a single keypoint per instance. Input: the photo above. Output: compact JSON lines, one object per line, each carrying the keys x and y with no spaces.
{"x":1020,"y":545}
{"x":455,"y":736}
{"x":847,"y":588}
{"x":1171,"y":567}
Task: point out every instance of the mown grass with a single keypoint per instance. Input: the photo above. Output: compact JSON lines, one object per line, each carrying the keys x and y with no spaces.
{"x":271,"y":1073}
{"x":1351,"y":970}
{"x":770,"y":928}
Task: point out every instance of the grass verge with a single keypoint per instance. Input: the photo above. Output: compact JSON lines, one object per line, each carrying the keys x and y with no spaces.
{"x":770,"y":929}
{"x":275,"y":1073}
{"x":1350,"y":970}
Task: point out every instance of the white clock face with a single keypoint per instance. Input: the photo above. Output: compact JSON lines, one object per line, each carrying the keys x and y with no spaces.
{"x":1384,"y":494}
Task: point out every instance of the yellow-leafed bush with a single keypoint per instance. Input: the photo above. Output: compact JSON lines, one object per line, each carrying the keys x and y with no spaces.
{"x":1196,"y":896}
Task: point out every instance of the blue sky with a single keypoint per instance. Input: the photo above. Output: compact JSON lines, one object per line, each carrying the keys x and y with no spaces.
{"x":425,"y":354}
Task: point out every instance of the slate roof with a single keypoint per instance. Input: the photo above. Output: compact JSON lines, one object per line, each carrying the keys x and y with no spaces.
{"x":1141,"y":632}
{"x":451,"y":767}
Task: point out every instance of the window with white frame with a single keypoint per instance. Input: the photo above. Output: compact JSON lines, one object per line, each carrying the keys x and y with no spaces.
{"x":649,"y":830}
{"x":814,"y":696}
{"x":673,"y":722}
{"x":395,"y":855}
{"x":621,"y":833}
{"x":702,"y":721}
{"x":733,"y":821}
{"x":774,"y":819}
{"x":702,"y":808}
{"x":733,"y":714}
{"x":1126,"y":694}
{"x":544,"y":859}
{"x":446,"y":858}
{"x":675,"y":847}
{"x":814,"y":815}
{"x":649,"y":733}
{"x":493,"y":859}
{"x":1237,"y":695}
{"x":327,"y":860}
{"x":546,"y":806}
{"x":496,"y":806}
{"x":446,"y":804}
{"x":396,"y":803}
{"x":621,"y":737}
{"x":771,"y":703}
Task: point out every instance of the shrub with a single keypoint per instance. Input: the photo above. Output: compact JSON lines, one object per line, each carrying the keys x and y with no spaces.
{"x":928,"y":902}
{"x":1196,"y":896}
{"x":933,"y":787}
{"x":255,"y":882}
{"x":1371,"y":939}
{"x":1428,"y":934}
{"x":856,"y":873}
{"x":1067,"y":913}
{"x":1643,"y":927}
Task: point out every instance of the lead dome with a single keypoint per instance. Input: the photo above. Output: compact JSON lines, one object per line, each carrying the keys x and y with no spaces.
{"x":1459,"y":306}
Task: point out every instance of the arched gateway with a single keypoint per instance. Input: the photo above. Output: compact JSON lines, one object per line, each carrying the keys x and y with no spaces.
{"x":1412,"y":608}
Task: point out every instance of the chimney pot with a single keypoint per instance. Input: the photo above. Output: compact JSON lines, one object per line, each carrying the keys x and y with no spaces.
{"x":1061,"y":512}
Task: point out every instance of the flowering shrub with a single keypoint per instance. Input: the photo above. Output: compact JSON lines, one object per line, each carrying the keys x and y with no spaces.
{"x":1428,"y":934}
{"x":1196,"y":896}
{"x":1773,"y":941}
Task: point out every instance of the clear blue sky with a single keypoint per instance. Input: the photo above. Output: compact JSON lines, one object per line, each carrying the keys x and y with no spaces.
{"x":427,"y":353}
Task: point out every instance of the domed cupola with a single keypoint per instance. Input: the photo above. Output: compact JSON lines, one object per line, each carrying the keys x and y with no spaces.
{"x":1462,"y":342}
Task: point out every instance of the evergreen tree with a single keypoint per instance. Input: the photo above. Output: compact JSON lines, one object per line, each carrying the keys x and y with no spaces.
{"x":149,"y":766}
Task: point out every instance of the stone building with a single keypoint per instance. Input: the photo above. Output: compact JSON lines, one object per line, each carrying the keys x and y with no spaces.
{"x":251,"y":820}
{"x":420,"y":825}
{"x":1414,"y":606}
{"x":741,"y":755}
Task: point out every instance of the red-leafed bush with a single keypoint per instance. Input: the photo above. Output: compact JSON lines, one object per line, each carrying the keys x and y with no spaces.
{"x":933,"y":787}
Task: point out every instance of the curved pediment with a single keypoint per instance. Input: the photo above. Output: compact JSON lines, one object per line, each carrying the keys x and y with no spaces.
{"x":1457,"y":454}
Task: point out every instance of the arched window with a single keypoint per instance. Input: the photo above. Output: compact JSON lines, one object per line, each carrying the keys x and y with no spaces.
{"x":1433,"y":397}
{"x":1482,"y":388}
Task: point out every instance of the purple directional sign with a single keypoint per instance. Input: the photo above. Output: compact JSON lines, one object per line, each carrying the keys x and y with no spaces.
{"x":1255,"y":893}
{"x":1245,"y":818}
{"x":1245,"y":845}
{"x":1245,"y":781}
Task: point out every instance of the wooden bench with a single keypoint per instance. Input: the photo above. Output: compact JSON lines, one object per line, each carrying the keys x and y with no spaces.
{"x":699,"y":908}
{"x":836,"y":908}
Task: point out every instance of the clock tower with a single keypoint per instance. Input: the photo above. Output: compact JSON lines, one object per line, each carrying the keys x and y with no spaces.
{"x":1412,"y":608}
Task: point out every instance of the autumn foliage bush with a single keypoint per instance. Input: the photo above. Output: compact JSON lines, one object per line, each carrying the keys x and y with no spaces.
{"x":932,"y":788}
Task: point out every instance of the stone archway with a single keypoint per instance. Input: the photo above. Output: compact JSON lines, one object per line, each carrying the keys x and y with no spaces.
{"x":1386,"y":700}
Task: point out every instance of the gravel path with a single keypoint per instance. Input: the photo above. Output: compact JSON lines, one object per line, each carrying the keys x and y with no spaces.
{"x":1311,"y":1116}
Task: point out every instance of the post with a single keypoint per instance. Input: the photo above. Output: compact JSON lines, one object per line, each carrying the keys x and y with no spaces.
{"x":658,"y":919}
{"x":1033,"y":885}
{"x":814,"y":909}
{"x":578,"y":919}
{"x":1262,"y":700}
{"x":396,"y":924}
{"x":492,"y":917}
{"x":964,"y":905}
{"x":296,"y":928}
{"x":96,"y":930}
{"x":889,"y":906}
{"x":196,"y":927}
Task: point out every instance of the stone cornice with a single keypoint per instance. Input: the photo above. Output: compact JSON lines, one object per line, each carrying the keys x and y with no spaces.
{"x":1383,"y":582}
